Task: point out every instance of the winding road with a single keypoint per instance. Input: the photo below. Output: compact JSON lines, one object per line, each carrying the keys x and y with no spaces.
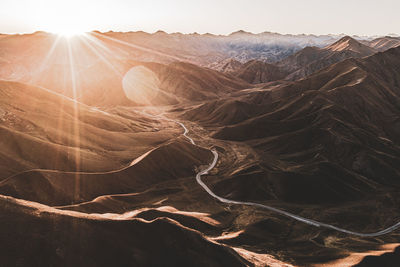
{"x":235,"y":202}
{"x":258,"y":205}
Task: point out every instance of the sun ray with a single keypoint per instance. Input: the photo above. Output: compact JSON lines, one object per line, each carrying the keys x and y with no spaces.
{"x":98,"y":43}
{"x":76,"y":132}
{"x":37,"y":75}
{"x":138,"y":47}
{"x":102,"y":57}
{"x":114,"y":52}
{"x":106,"y":46}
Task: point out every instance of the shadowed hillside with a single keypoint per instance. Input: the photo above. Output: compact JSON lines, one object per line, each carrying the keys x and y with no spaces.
{"x":66,"y":238}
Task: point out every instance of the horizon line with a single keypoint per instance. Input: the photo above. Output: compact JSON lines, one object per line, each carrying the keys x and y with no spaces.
{"x":209,"y":33}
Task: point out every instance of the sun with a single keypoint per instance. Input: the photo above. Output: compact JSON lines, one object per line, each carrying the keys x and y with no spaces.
{"x":67,"y":31}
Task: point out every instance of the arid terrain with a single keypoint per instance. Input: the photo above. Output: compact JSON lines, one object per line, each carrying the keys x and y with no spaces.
{"x":138,"y":149}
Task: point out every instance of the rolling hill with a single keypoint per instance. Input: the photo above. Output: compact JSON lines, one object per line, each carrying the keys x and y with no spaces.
{"x":42,"y":129}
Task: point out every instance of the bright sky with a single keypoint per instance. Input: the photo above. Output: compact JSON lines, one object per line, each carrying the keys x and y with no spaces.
{"x":362,"y":17}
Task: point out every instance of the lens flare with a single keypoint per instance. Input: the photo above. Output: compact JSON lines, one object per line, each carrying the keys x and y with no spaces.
{"x":140,"y":85}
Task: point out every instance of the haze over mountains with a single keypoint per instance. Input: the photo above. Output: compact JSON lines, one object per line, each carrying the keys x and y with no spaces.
{"x":105,"y":138}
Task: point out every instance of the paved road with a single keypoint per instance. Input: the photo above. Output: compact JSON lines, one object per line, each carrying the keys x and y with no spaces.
{"x":258,"y":205}
{"x":234,"y":202}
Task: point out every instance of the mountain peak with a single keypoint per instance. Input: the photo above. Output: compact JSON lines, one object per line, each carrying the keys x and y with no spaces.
{"x":343,"y":44}
{"x":161,"y":32}
{"x":240,"y":32}
{"x":348,"y":43}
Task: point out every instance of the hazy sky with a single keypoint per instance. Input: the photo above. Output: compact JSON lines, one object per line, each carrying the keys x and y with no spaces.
{"x":363,"y":17}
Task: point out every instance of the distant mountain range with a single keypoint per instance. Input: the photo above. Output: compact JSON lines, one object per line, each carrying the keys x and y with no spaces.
{"x":306,"y":61}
